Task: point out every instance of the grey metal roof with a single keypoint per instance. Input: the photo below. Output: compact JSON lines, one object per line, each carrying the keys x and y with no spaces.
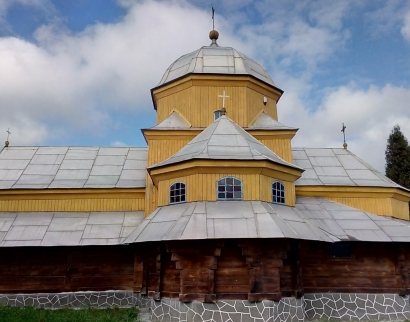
{"x":312,"y":219}
{"x":215,"y":60}
{"x":327,"y":167}
{"x":173,"y":121}
{"x":224,"y":139}
{"x":266,"y":122}
{"x":66,"y":228}
{"x":72,"y":167}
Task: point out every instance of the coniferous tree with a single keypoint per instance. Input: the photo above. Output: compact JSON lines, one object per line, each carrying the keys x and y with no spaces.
{"x":398,"y":158}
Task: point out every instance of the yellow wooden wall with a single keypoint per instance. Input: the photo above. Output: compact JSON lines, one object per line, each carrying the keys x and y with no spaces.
{"x":198,"y":103}
{"x":388,"y":207}
{"x":160,"y":150}
{"x":203,"y":187}
{"x":282,"y":147}
{"x":65,"y":203}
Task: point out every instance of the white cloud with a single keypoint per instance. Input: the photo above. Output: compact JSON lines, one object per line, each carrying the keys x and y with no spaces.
{"x":368,"y":114}
{"x":405,"y":30}
{"x":77,"y":81}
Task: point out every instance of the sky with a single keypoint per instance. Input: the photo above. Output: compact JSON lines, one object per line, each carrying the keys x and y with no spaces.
{"x":80,"y":72}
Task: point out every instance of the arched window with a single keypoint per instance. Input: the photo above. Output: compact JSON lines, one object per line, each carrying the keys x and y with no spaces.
{"x":177,"y":192}
{"x":217,"y":114}
{"x":229,"y":188}
{"x":278,"y":192}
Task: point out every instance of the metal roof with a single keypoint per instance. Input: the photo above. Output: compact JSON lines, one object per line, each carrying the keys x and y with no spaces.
{"x":327,"y":167}
{"x":94,"y":167}
{"x":215,"y":60}
{"x":312,"y":219}
{"x":72,"y":167}
{"x":66,"y":228}
{"x":224,"y":139}
{"x":173,"y":121}
{"x":266,"y":122}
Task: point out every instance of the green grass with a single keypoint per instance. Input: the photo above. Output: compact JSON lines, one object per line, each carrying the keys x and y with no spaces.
{"x":30,"y":314}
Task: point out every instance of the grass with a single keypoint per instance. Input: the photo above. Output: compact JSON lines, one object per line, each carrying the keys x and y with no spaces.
{"x":30,"y":314}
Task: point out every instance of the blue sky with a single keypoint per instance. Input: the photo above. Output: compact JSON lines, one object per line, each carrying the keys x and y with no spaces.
{"x":80,"y":72}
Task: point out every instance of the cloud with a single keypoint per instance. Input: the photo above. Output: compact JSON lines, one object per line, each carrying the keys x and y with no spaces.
{"x":369,"y":115}
{"x":79,"y":81}
{"x":405,"y":30}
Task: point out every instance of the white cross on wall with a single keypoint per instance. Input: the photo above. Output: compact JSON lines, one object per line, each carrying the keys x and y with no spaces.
{"x":223,"y":96}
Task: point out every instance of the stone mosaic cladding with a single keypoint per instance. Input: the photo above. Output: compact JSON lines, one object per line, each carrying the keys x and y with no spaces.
{"x":353,"y":307}
{"x":312,"y":307}
{"x":75,"y":299}
{"x":169,"y":310}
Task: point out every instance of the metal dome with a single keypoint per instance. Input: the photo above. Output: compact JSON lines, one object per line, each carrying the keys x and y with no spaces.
{"x":215,"y":60}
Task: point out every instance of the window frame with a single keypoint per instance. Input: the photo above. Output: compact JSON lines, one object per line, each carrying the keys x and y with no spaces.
{"x":180,"y":195}
{"x":275,"y":196}
{"x":233,"y":189}
{"x":219,"y":113}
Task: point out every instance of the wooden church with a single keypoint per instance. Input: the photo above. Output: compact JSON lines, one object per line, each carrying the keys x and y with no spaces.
{"x":219,"y":208}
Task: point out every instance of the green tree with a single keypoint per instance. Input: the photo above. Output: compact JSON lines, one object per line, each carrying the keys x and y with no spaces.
{"x":398,"y":158}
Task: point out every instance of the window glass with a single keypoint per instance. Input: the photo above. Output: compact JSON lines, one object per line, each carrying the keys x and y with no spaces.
{"x":177,"y":192}
{"x":229,"y":188}
{"x":278,"y":192}
{"x":217,"y":115}
{"x":340,"y":250}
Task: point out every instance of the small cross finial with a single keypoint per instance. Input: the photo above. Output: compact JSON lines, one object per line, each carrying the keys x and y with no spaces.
{"x":213,"y":18}
{"x":6,"y":144}
{"x":344,"y":135}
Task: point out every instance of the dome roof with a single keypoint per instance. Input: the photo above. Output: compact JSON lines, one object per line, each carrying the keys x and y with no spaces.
{"x":215,"y":60}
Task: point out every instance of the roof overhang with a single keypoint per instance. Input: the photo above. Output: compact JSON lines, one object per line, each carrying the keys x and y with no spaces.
{"x":218,"y":166}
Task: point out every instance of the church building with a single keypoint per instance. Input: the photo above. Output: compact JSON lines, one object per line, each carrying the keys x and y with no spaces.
{"x":218,"y":219}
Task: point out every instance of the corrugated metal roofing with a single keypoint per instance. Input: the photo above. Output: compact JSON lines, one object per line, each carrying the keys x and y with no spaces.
{"x":226,"y":140}
{"x":327,"y":167}
{"x":72,"y":167}
{"x":67,"y":228}
{"x":215,"y":60}
{"x":312,"y":219}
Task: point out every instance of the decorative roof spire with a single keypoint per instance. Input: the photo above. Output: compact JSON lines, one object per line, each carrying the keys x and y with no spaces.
{"x":213,"y":34}
{"x":6,"y":144}
{"x":344,"y":136}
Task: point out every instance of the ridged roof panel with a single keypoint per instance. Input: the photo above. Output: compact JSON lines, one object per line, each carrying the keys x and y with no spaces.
{"x":215,"y":60}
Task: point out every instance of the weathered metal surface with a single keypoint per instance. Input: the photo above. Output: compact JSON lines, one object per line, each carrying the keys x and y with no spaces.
{"x":215,"y":60}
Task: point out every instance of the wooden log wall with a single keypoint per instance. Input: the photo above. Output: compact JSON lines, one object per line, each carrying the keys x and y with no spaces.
{"x":66,"y":269}
{"x":371,"y":268}
{"x":208,"y":270}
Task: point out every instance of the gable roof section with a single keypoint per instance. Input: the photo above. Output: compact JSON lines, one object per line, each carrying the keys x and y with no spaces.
{"x":312,"y":219}
{"x":224,"y":140}
{"x":266,"y":122}
{"x":173,"y":121}
{"x":72,"y":167}
{"x":337,"y":167}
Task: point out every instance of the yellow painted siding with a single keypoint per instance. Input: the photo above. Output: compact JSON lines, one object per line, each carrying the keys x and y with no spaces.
{"x":160,"y":150}
{"x":377,"y":206}
{"x":282,"y":147}
{"x":202,"y":187}
{"x":198,"y":103}
{"x":254,"y":100}
{"x":73,"y":205}
{"x":400,"y":209}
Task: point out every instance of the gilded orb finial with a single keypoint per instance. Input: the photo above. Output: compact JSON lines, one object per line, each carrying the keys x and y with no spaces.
{"x":345,"y":145}
{"x":214,"y":35}
{"x":6,"y":144}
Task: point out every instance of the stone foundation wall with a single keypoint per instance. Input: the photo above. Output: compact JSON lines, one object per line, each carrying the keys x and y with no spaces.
{"x":76,"y":299}
{"x":328,"y":306}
